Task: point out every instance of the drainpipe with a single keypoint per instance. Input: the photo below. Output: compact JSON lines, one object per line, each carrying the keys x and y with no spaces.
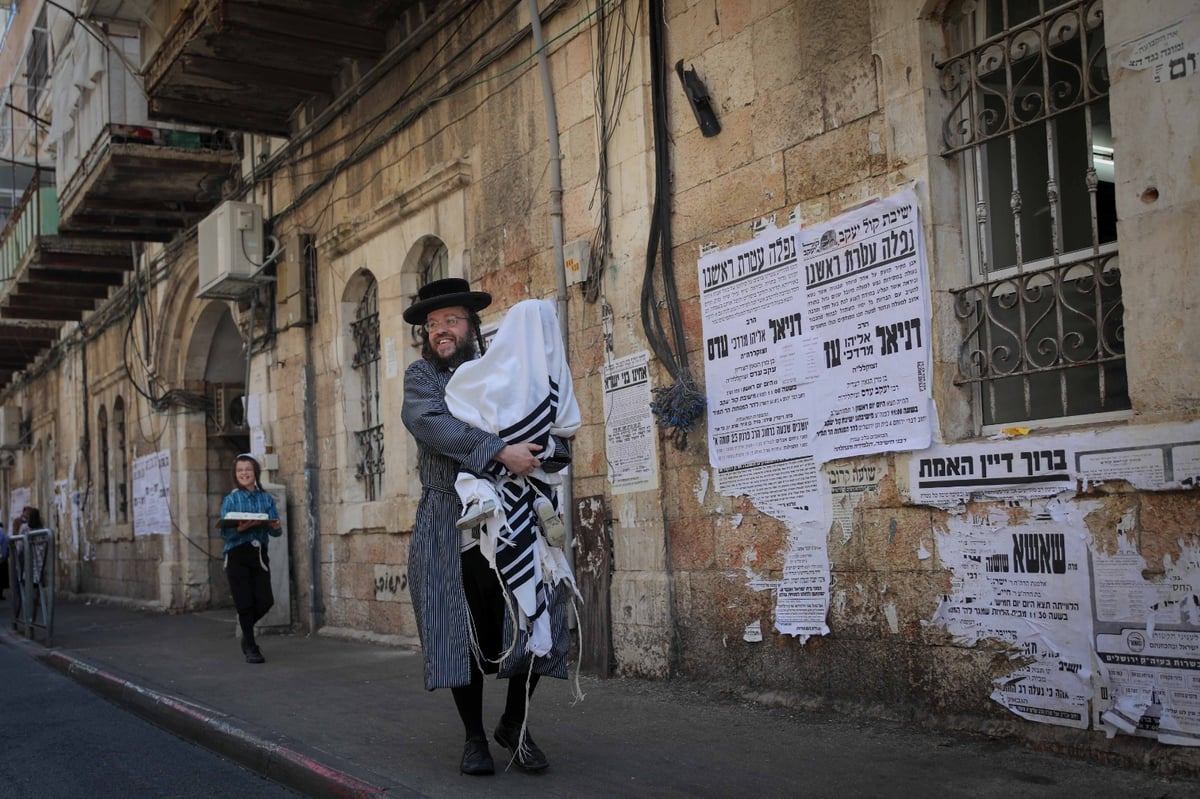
{"x":312,"y":514}
{"x":556,"y":225}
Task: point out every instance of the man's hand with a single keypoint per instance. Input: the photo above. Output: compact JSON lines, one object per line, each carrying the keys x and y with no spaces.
{"x":520,"y":459}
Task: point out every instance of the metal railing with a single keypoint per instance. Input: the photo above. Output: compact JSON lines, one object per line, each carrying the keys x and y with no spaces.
{"x":35,"y":215}
{"x":31,"y":559}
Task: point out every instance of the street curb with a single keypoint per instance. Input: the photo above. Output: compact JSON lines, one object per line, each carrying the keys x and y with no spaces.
{"x":215,"y":731}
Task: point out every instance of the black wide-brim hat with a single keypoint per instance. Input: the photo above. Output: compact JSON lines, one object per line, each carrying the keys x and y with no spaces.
{"x":445,"y":293}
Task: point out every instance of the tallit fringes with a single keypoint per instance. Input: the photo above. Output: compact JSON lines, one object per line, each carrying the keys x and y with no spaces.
{"x":577,"y":694}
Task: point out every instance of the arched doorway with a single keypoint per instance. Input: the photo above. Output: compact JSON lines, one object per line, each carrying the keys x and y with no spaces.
{"x":226,"y":430}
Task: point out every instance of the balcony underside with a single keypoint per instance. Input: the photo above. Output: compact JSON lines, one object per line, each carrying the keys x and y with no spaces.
{"x":62,"y":279}
{"x":247,"y":64}
{"x":21,"y":343}
{"x":141,"y":192}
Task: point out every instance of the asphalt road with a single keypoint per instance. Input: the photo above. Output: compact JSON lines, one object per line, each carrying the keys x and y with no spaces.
{"x":58,"y":739}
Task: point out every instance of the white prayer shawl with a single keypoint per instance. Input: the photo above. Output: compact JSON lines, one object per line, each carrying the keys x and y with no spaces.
{"x":520,"y":389}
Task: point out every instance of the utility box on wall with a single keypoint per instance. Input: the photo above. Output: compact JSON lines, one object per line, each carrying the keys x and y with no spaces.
{"x":231,"y":250}
{"x":578,"y":259}
{"x":10,"y":427}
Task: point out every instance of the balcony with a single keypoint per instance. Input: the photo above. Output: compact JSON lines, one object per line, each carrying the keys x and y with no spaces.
{"x":120,"y":178}
{"x":143,"y":183}
{"x":49,"y":279}
{"x":247,"y":64}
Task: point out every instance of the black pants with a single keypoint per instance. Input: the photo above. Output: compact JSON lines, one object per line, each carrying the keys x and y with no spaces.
{"x":485,"y":601}
{"x":250,"y":584}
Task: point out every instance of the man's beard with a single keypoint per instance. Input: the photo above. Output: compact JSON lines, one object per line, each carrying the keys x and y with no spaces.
{"x":465,"y":351}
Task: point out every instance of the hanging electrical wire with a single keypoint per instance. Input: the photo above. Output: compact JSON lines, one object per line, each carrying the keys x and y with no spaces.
{"x":614,"y":57}
{"x":680,"y":405}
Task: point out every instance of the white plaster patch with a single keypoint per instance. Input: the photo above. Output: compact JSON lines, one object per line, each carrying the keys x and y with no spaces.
{"x":701,"y":487}
{"x":736,"y":520}
{"x":628,"y":514}
{"x":922,"y":552}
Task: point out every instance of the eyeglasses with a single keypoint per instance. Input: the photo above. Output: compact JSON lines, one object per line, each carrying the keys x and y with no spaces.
{"x":449,"y":322}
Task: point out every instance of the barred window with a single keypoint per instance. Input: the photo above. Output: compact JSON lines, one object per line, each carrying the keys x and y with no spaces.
{"x":435,"y":260}
{"x":120,"y":463}
{"x":369,"y":437}
{"x":105,"y":484}
{"x":1029,"y":128}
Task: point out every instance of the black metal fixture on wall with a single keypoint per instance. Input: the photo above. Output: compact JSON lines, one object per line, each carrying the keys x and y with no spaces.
{"x":698,"y":99}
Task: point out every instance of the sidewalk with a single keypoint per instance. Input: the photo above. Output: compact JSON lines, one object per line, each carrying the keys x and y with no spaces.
{"x":335,"y":718}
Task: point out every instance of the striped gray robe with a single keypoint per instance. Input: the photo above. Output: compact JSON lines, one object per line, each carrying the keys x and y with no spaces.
{"x":444,"y":446}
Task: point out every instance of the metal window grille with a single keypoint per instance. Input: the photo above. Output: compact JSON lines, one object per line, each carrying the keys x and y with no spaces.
{"x":435,"y":262}
{"x":121,"y":465}
{"x":308,"y":246}
{"x":102,"y":434}
{"x":1029,"y":125}
{"x":365,"y":330}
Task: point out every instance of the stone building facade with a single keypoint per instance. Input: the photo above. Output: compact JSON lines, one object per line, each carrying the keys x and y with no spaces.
{"x":1044,"y":149}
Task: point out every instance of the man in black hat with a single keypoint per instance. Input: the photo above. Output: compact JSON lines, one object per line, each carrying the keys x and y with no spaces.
{"x":458,"y":601}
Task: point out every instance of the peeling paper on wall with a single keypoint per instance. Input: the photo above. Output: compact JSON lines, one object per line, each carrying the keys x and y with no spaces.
{"x":848,"y":482}
{"x":790,"y":491}
{"x":1027,"y":586}
{"x":753,"y":632}
{"x":802,"y":604}
{"x":1148,"y":642}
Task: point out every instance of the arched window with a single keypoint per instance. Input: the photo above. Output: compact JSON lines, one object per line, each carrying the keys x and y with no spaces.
{"x":103,"y":465}
{"x":435,"y":261}
{"x":120,"y":462}
{"x":369,"y":435}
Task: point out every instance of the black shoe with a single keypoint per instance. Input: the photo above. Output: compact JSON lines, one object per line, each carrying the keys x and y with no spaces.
{"x":477,"y":760}
{"x":528,"y":756}
{"x":254,"y":656}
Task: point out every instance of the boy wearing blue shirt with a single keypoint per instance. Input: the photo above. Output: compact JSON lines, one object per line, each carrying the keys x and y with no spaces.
{"x":248,"y":516}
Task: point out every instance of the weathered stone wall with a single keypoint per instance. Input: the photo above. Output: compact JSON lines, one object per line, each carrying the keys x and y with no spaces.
{"x":827,"y":108}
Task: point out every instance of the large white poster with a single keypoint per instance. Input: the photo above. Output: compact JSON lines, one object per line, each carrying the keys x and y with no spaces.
{"x":152,"y":494}
{"x":17,"y":500}
{"x":1027,"y":585}
{"x":833,"y":339}
{"x":751,"y":298}
{"x":630,"y":442}
{"x":867,"y":313}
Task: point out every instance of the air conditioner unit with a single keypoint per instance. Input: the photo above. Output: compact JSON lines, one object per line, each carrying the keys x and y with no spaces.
{"x":228,"y":409}
{"x":231,"y":251}
{"x":10,"y":427}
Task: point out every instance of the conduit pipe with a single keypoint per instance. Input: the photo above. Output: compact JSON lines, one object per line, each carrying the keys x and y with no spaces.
{"x":556,"y":226}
